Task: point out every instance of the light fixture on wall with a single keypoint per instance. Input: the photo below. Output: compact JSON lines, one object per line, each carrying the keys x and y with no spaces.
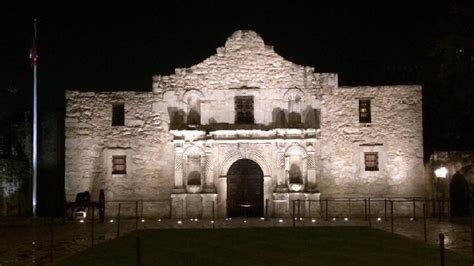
{"x":441,"y":173}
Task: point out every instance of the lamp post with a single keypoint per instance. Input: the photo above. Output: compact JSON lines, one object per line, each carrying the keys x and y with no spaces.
{"x":440,"y":173}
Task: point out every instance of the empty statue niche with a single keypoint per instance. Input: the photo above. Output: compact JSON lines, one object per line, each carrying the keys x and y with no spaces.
{"x":294,"y":111}
{"x":295,"y":175}
{"x":312,"y":118}
{"x":176,"y":118}
{"x":194,"y":111}
{"x":194,"y":177}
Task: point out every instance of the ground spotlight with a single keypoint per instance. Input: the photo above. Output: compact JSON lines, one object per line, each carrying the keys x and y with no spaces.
{"x":180,"y":222}
{"x":111,"y":220}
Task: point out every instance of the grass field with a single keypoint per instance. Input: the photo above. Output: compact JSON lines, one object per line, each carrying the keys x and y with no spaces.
{"x":266,"y":246}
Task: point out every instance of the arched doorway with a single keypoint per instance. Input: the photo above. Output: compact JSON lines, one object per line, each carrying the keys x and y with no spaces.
{"x":459,"y":195}
{"x":245,"y":189}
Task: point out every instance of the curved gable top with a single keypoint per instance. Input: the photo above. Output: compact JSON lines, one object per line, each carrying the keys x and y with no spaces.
{"x":244,"y":61}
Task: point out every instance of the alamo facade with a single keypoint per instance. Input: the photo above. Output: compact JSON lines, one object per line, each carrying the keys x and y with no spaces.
{"x":244,"y":128}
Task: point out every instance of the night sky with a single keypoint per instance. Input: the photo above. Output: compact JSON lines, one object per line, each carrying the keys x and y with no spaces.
{"x":86,"y":46}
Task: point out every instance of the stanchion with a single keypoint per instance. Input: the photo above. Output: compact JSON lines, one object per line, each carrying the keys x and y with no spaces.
{"x":299,"y":214}
{"x":138,"y":251}
{"x":141,"y":211}
{"x":327,"y":209}
{"x":391,"y":215}
{"x":370,"y":220}
{"x":92,"y":227}
{"x":472,"y":231}
{"x":118,"y":220}
{"x":424,"y":222}
{"x":385,"y":210}
{"x":350,"y":209}
{"x":439,"y":210}
{"x":294,"y":214}
{"x":309,"y":209}
{"x":266,"y":209}
{"x":365,"y":209}
{"x":441,"y":249}
{"x":51,"y":237}
{"x":414,"y":209}
{"x":136,"y":215}
{"x":213,"y":215}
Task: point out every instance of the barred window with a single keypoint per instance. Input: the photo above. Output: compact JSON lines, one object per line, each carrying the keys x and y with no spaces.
{"x":244,"y":110}
{"x":119,"y":164}
{"x":364,"y":111}
{"x":371,"y":161}
{"x":118,"y":114}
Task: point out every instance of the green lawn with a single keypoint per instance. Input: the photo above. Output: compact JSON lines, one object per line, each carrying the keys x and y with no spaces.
{"x":267,"y":246}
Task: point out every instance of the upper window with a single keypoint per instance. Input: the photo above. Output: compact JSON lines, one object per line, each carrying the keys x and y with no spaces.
{"x":371,"y":161}
{"x":244,"y":110}
{"x":119,"y":164}
{"x":118,"y":114}
{"x":364,"y":111}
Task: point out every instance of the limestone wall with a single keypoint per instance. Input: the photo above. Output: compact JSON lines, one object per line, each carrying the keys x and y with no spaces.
{"x":245,"y":66}
{"x":395,"y":132}
{"x":91,"y":140}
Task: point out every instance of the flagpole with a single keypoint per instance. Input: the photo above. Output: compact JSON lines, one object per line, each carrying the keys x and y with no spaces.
{"x":35,"y":131}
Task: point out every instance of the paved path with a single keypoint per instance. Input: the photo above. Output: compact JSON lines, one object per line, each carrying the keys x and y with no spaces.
{"x":28,"y":241}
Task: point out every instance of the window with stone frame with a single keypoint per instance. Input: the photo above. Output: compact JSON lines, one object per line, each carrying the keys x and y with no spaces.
{"x":364,"y":111}
{"x":119,"y":164}
{"x":244,"y":110}
{"x":371,"y":160}
{"x":118,"y":114}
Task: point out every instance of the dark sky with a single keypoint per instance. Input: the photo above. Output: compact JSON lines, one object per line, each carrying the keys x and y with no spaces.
{"x":87,"y":46}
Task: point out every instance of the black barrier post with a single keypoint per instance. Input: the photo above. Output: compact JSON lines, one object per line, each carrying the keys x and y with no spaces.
{"x":299,"y":214}
{"x":92,"y":227}
{"x":350,"y":209}
{"x":370,"y":220}
{"x":51,"y":244}
{"x":365,"y":209}
{"x":424,"y":222}
{"x":293,"y":203}
{"x":385,"y":209}
{"x":449,"y":210}
{"x":309,"y":209}
{"x":414,"y":209}
{"x":439,"y":210}
{"x":136,"y":215}
{"x":138,"y":251}
{"x":327,"y":212}
{"x":213,"y":215}
{"x":472,"y":231}
{"x":118,"y":221}
{"x":441,"y":249}
{"x":141,"y":211}
{"x":391,"y":215}
{"x":266,"y":209}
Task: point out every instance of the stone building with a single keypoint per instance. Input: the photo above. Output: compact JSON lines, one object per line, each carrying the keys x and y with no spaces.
{"x":244,"y":131}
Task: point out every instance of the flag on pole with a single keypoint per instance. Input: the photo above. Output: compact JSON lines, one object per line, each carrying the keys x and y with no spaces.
{"x":34,"y":50}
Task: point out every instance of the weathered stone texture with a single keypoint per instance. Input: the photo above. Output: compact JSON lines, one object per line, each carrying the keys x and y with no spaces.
{"x":186,"y":124}
{"x":396,"y":128}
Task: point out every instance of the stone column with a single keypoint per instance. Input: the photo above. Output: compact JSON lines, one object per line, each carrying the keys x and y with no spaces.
{"x":209,"y":186}
{"x":311,"y":174}
{"x":281,"y":182}
{"x":178,"y":171}
{"x":221,"y":201}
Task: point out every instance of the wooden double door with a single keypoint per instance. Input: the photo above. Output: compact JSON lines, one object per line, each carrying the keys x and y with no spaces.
{"x":245,"y":189}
